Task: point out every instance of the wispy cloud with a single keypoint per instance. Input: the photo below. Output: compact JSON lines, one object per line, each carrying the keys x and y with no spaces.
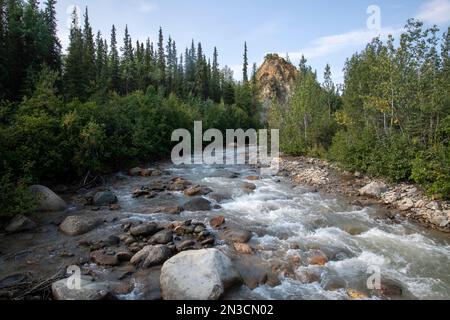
{"x":328,"y":45}
{"x":146,"y":7}
{"x":435,"y":11}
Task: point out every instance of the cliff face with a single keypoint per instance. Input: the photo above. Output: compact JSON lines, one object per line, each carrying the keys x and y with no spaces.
{"x":276,"y":78}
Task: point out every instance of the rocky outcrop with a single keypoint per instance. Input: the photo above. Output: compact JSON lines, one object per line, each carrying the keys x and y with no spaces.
{"x":197,"y":275}
{"x":47,"y":200}
{"x":276,"y":79}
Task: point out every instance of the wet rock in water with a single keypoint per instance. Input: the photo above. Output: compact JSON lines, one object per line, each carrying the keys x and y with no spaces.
{"x":356,"y":295}
{"x":197,"y":191}
{"x":78,"y":225}
{"x":144,"y":230}
{"x":123,"y":288}
{"x":151,"y":256}
{"x":104,"y":198}
{"x":140,"y":192}
{"x":405,"y":204}
{"x":243,"y":248}
{"x":135,"y":172}
{"x":170,"y":210}
{"x":217,"y":221}
{"x":197,"y":275}
{"x":317,"y":260}
{"x":237,"y":235}
{"x":162,"y":237}
{"x":101,"y":258}
{"x":252,"y":178}
{"x":112,"y":240}
{"x":197,"y":204}
{"x":248,"y":187}
{"x":391,"y":289}
{"x":186,"y":245}
{"x":88,"y":290}
{"x":253,"y":271}
{"x":20,"y":223}
{"x":184,"y":230}
{"x":333,"y":284}
{"x":124,"y":256}
{"x":374,"y":189}
{"x":47,"y":200}
{"x":230,"y":175}
{"x":179,"y":184}
{"x":219,"y":197}
{"x":115,"y":207}
{"x":199,"y":229}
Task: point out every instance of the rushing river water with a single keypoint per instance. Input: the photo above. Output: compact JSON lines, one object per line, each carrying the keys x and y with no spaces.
{"x":289,"y":222}
{"x":292,"y":221}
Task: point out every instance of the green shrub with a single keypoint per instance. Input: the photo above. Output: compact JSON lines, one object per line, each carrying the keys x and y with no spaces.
{"x":431,"y":169}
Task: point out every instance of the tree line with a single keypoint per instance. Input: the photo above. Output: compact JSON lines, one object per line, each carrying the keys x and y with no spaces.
{"x":69,"y":116}
{"x":392,"y":118}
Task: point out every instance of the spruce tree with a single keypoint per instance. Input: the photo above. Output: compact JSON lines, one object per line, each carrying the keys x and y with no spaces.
{"x":114,"y":64}
{"x":15,"y":54}
{"x":53,"y":56}
{"x":161,"y":58}
{"x":75,"y":86}
{"x":88,"y":55}
{"x":245,"y":66}
{"x":215,"y":77}
{"x":3,"y":50}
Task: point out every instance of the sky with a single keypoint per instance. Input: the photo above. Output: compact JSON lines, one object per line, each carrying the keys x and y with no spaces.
{"x":325,"y":31}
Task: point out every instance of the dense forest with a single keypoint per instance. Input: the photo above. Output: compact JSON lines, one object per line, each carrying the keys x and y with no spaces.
{"x":98,"y":107}
{"x":390,"y":119}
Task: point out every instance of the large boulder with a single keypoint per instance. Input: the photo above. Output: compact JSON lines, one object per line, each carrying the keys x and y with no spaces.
{"x":197,"y":275}
{"x":197,"y":204}
{"x":152,"y":256}
{"x":78,"y":225}
{"x":47,"y":200}
{"x":374,"y":189}
{"x":104,"y":198}
{"x":20,"y":223}
{"x":88,"y":290}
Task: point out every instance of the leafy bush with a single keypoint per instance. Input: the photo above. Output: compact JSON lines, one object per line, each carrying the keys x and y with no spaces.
{"x":431,"y":169}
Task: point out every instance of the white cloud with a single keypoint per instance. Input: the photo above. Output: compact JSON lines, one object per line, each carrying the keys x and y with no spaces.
{"x":435,"y":11}
{"x":146,"y":7}
{"x":327,"y":45}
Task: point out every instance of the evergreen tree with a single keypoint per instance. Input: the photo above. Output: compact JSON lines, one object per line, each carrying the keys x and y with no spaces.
{"x":215,"y":77}
{"x":53,"y":54}
{"x":245,"y":66}
{"x":74,"y":79}
{"x":3,"y":51}
{"x":15,"y":48}
{"x":89,"y":70}
{"x":127,"y":63}
{"x":114,"y":63}
{"x":161,"y":58}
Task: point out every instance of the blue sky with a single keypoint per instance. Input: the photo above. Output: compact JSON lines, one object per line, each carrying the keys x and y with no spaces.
{"x":326,"y":31}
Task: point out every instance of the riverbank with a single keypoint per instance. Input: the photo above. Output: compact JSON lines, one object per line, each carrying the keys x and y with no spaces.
{"x":401,"y":199}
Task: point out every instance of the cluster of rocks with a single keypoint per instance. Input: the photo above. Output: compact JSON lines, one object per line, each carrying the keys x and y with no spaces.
{"x":311,"y":172}
{"x":407,"y":199}
{"x":134,"y":172}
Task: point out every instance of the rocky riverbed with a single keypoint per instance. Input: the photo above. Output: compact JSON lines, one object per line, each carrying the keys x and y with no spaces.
{"x":403,"y":199}
{"x":217,"y":232}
